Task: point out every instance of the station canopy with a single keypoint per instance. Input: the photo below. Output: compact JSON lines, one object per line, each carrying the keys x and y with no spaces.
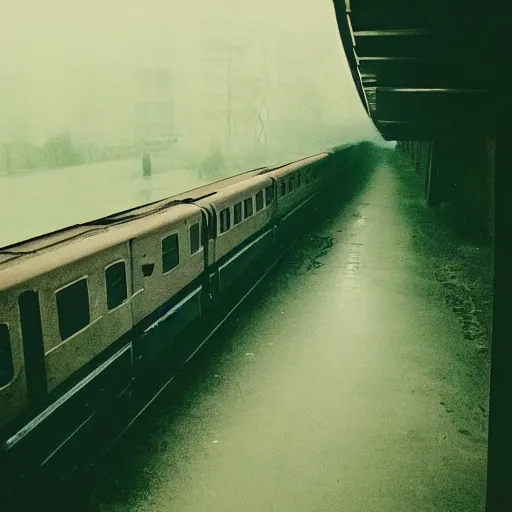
{"x":425,"y":68}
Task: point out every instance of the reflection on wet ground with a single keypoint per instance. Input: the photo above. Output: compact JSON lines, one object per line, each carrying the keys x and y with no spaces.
{"x":346,"y":382}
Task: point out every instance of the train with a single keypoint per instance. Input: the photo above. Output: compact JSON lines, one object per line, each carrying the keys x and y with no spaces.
{"x":86,"y":310}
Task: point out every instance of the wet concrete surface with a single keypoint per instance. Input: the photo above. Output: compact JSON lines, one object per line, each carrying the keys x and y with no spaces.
{"x":347,"y":382}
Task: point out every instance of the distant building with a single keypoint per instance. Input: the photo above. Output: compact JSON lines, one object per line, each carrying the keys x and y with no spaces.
{"x":15,"y":121}
{"x":153,"y":107}
{"x":233,"y":88}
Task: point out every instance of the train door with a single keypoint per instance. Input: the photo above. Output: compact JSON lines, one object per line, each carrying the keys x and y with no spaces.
{"x":208,"y":243}
{"x":33,"y":347}
{"x":6,"y":363}
{"x":274,"y":219}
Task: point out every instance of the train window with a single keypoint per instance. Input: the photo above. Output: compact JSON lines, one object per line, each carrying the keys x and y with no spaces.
{"x":290,"y":184}
{"x":33,"y":344}
{"x":115,"y":279}
{"x":283,"y":188}
{"x":6,"y":366}
{"x":237,"y":213}
{"x":308,"y":176}
{"x":225,"y":220}
{"x":170,"y":253}
{"x":259,"y":201}
{"x":269,"y":194}
{"x":195,"y":238}
{"x":299,"y":179}
{"x":247,"y":207}
{"x":73,"y":308}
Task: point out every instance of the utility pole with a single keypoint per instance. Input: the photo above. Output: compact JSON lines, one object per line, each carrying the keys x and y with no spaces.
{"x":227,"y":137}
{"x":263,"y":113}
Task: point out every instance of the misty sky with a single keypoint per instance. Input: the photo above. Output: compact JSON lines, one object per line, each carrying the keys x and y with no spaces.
{"x":251,"y":84}
{"x":69,"y":65}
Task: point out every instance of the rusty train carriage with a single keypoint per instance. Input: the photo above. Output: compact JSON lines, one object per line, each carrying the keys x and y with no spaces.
{"x":115,"y":293}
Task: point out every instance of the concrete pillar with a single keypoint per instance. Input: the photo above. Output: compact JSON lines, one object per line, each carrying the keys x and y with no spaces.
{"x":499,"y":467}
{"x":146,"y":165}
{"x":460,"y":173}
{"x":470,"y":177}
{"x":424,"y":158}
{"x":490,"y":151}
{"x":418,"y":156}
{"x":433,"y":183}
{"x":477,"y":194}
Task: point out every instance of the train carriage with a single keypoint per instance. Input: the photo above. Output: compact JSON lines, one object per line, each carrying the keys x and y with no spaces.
{"x":297,"y":185}
{"x":85,"y":310}
{"x":65,"y":306}
{"x":62,"y":311}
{"x":242,"y":230}
{"x":168,"y":268}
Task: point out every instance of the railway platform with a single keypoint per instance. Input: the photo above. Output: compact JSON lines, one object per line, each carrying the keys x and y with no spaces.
{"x":355,"y":378}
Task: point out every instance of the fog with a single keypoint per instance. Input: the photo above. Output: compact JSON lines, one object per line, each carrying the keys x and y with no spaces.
{"x":207,"y":88}
{"x":262,"y":80}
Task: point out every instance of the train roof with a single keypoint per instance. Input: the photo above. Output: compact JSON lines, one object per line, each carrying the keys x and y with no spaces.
{"x":231,"y":193}
{"x":25,"y":260}
{"x":25,"y":266}
{"x":294,"y":166}
{"x":92,"y":227}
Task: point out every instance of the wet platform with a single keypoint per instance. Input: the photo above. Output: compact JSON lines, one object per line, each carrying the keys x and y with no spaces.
{"x":347,"y":382}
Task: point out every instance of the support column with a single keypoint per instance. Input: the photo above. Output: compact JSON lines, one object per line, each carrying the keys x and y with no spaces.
{"x":499,"y":471}
{"x":433,"y":183}
{"x":418,"y":156}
